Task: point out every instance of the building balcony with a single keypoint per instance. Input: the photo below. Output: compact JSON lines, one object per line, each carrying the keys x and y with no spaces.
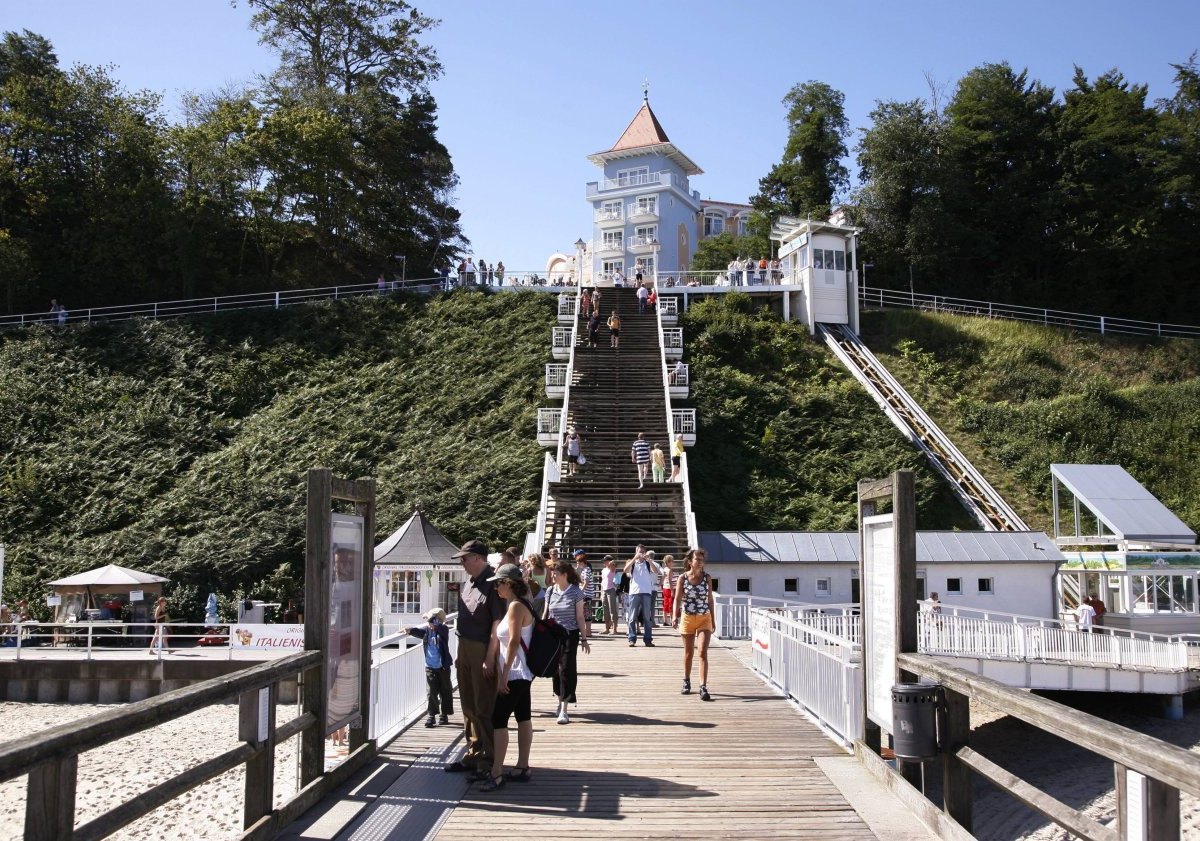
{"x":549,"y":427}
{"x":672,"y":342}
{"x":643,"y":245}
{"x":556,"y":379}
{"x":683,"y":422}
{"x":609,"y":248}
{"x":566,"y":309}
{"x":677,"y":380}
{"x":668,"y":310}
{"x":610,"y":218}
{"x":560,"y":347}
{"x":641,"y":214}
{"x":645,"y":183}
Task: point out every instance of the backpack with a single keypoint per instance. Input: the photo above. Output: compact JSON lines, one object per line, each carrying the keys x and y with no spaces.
{"x":546,"y":645}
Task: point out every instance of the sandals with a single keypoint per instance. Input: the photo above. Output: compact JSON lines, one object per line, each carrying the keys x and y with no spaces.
{"x":517,"y":775}
{"x":492,"y":784}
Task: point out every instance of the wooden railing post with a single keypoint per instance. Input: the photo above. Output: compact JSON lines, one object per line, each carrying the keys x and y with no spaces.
{"x":256,"y":725}
{"x":956,"y":776}
{"x":1147,"y":809}
{"x":50,"y":800}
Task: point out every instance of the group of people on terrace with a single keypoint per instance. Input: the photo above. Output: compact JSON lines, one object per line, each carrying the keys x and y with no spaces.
{"x":497,"y":609}
{"x":746,"y":271}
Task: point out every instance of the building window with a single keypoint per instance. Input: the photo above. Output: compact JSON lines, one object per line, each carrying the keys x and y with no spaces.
{"x":743,"y":225}
{"x":824,"y":588}
{"x":954,"y":586}
{"x":614,"y":239}
{"x":743,"y":585}
{"x":648,"y":233}
{"x":404,"y":591}
{"x":607,"y":267}
{"x":647,"y":204}
{"x":791,"y":585}
{"x":714,"y":222}
{"x":985,"y":587}
{"x":449,"y":585}
{"x":633,"y":177}
{"x":716,"y":583}
{"x":610,"y":210}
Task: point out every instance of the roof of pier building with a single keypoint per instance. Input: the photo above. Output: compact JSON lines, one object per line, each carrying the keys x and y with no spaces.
{"x":756,"y":547}
{"x":1126,"y":508}
{"x":416,"y":543}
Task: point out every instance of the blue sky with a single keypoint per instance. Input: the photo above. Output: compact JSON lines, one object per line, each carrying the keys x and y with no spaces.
{"x":532,"y":86}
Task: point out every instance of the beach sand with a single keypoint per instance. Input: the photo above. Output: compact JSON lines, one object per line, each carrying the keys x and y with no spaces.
{"x":110,"y":776}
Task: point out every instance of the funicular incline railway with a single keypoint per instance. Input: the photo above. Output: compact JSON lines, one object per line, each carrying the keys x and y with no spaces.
{"x":976,"y":493}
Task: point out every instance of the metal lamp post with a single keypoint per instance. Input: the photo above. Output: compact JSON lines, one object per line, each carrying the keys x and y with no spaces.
{"x":579,"y":246}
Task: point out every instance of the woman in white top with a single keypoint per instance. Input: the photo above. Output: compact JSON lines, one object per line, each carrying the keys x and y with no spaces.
{"x":513,"y":678}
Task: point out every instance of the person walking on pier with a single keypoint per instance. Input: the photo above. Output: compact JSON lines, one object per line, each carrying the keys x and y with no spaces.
{"x":668,"y":587}
{"x":510,"y":637}
{"x":693,"y":602}
{"x":480,"y":610}
{"x":566,"y":603}
{"x":609,"y":588}
{"x":641,"y":456}
{"x":587,"y":583}
{"x":643,"y":574}
{"x":160,"y":625}
{"x":435,"y":641}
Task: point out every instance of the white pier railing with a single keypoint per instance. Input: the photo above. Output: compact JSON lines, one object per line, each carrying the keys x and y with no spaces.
{"x":821,"y":671}
{"x":398,"y":689}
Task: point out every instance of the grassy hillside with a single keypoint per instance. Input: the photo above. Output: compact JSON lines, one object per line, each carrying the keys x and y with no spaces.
{"x":1017,"y":397}
{"x":785,"y":432}
{"x":181,"y":447}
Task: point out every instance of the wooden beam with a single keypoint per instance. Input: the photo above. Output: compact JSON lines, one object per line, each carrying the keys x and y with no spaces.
{"x":871,"y":489}
{"x":1068,"y":818}
{"x":256,"y":726}
{"x":365,"y":508}
{"x":352,"y":490}
{"x":956,"y":777}
{"x":1152,"y":757}
{"x":50,"y":800}
{"x":318,"y":534}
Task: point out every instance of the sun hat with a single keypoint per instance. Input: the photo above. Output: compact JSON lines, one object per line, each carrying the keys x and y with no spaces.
{"x":435,"y":613}
{"x":508,"y":572}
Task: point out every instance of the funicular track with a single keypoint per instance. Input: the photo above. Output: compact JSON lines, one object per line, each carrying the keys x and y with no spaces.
{"x":975,"y":492}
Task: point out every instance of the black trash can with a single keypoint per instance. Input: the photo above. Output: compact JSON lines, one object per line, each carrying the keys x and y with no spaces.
{"x":915,"y":710}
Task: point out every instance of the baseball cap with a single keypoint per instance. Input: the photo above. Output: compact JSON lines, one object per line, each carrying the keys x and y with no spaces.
{"x":472,"y":547}
{"x":507,"y":572}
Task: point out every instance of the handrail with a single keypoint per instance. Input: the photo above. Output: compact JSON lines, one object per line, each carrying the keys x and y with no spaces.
{"x":83,"y":637}
{"x":689,"y":516}
{"x":50,"y":758}
{"x":1102,"y":324}
{"x":1165,"y":764}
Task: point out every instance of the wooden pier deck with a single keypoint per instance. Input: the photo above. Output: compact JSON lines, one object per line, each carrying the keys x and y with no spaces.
{"x":638,"y":760}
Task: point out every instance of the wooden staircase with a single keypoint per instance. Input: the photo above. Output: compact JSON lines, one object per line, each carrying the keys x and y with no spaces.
{"x":614,"y":395}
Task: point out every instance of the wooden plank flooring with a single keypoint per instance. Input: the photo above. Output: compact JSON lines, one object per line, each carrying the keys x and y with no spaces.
{"x":638,"y":760}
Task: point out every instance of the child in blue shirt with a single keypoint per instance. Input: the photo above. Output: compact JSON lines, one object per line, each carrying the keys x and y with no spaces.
{"x":435,"y":637}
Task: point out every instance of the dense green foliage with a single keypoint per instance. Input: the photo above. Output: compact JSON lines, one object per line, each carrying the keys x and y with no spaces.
{"x":1019,"y":397}
{"x":811,"y":174}
{"x":329,"y":170}
{"x":1011,"y":193}
{"x":786,"y":433}
{"x":181,"y":447}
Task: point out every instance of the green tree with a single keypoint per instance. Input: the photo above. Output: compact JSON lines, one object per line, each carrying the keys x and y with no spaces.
{"x":1001,"y":188}
{"x":900,"y":202}
{"x":811,"y":175}
{"x":82,"y":181}
{"x":353,"y":131}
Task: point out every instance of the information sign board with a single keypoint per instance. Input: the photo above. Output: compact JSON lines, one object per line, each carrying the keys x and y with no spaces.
{"x":880,"y":592}
{"x":343,"y":645}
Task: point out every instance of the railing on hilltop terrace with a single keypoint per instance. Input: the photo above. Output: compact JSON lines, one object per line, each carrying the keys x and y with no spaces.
{"x":1104,"y":325}
{"x":286,"y":297}
{"x":717,"y":281}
